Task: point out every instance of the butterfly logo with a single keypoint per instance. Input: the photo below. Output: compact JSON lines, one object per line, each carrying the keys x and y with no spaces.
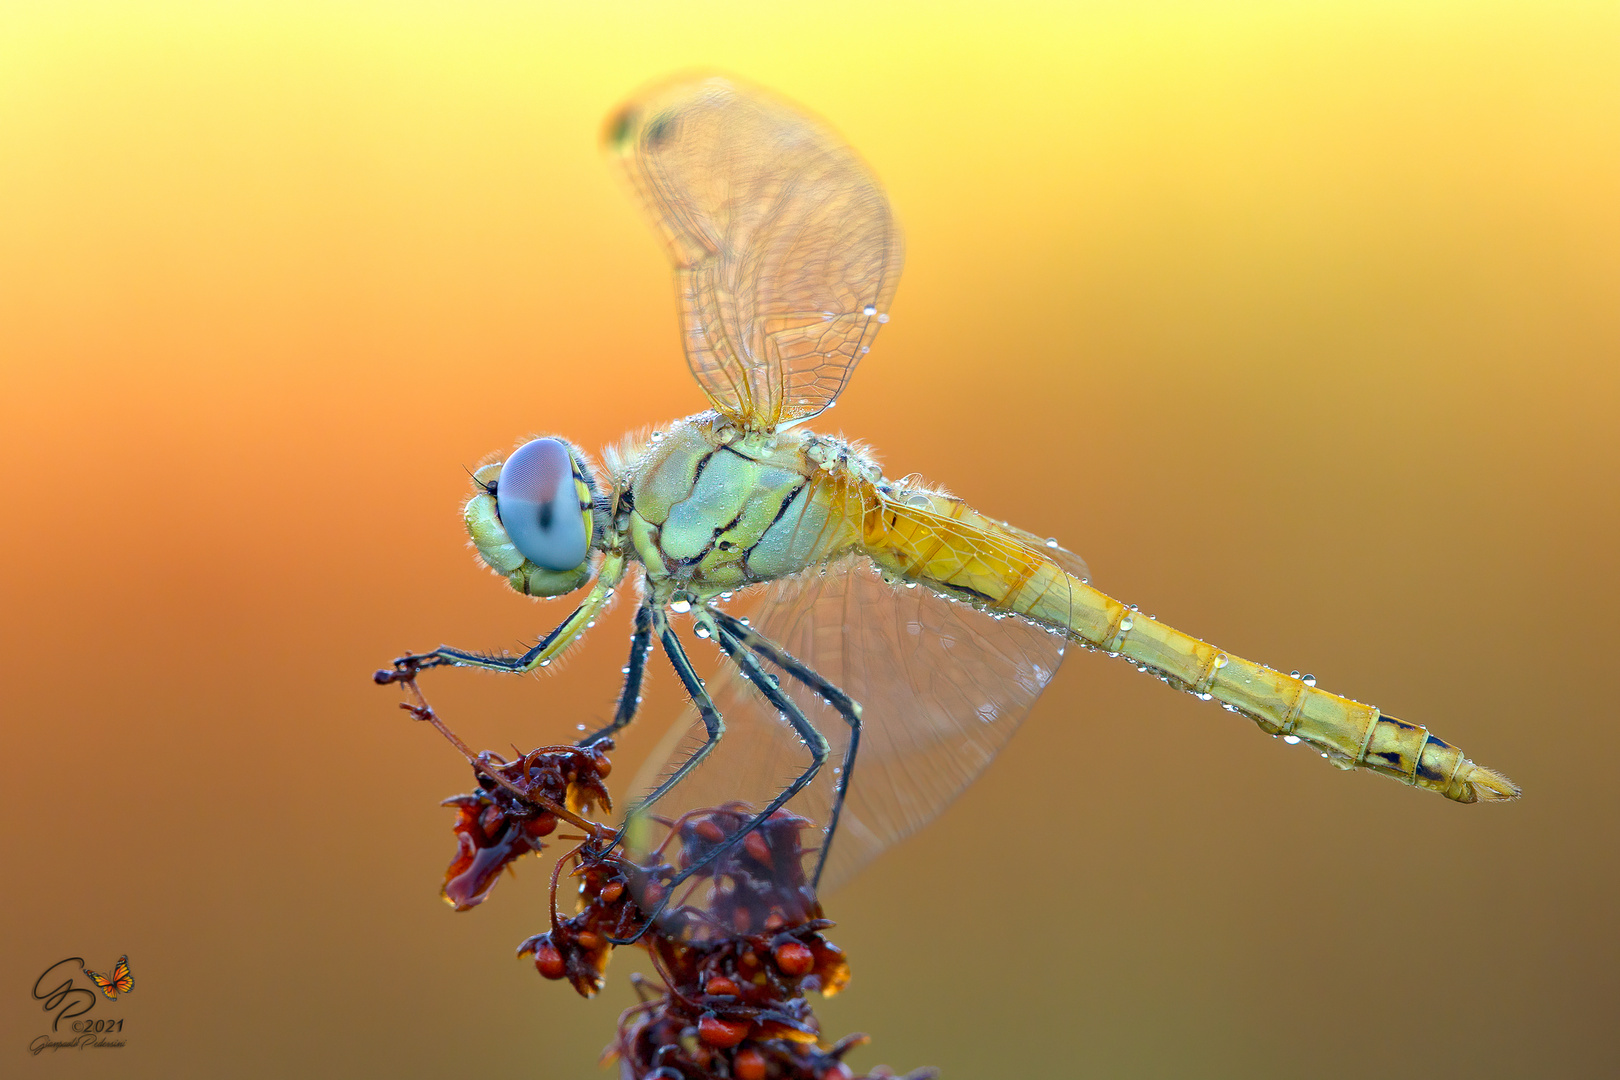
{"x":119,"y":982}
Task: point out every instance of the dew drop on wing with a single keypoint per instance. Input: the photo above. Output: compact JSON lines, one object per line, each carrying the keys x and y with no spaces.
{"x":1293,"y":674}
{"x":1310,"y":680}
{"x":1293,"y":740}
{"x":869,"y":311}
{"x":1126,"y":624}
{"x":680,"y":607}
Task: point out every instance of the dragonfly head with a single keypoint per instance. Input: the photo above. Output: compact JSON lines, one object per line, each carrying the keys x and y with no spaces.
{"x":532,"y":518}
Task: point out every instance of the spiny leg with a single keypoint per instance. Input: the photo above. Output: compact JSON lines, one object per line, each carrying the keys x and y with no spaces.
{"x":635,"y":669}
{"x":411,"y":663}
{"x":849,"y":709}
{"x":813,"y":739}
{"x":566,"y":632}
{"x":713,"y":725}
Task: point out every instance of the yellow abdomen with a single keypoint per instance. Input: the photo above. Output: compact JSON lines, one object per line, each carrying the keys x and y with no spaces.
{"x":945,"y":544}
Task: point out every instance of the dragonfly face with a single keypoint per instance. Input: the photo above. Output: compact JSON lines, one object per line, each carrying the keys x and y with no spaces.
{"x":897,"y":636}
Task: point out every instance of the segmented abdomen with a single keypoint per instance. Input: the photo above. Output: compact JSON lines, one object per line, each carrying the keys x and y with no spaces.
{"x":943,"y":543}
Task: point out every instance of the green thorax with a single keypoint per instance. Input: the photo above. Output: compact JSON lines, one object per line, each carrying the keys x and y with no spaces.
{"x":709,"y":508}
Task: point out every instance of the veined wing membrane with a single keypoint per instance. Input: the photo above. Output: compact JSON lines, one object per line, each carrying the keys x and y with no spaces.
{"x":942,"y":687}
{"x":786,"y":251}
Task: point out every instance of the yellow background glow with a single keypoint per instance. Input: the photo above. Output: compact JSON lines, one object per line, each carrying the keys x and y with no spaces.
{"x":1299,"y":321}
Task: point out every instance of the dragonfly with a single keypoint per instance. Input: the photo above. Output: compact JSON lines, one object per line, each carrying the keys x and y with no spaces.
{"x":895,"y":636}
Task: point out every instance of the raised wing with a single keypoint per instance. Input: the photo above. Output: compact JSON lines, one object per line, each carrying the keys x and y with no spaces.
{"x":942,"y":687}
{"x":785,"y":250}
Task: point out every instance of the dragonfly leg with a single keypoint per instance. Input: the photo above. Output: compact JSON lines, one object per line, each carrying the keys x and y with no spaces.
{"x":713,"y":725}
{"x":814,"y":739}
{"x":635,"y":670}
{"x":566,"y":632}
{"x":846,"y":707}
{"x":444,"y":654}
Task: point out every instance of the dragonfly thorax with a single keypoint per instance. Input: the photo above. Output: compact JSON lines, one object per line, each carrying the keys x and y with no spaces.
{"x":707,"y":507}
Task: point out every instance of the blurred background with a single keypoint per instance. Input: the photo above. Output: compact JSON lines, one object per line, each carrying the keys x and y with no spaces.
{"x":1298,"y":321}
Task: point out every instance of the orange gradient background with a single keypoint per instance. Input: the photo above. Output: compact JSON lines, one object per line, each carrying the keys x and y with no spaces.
{"x":1300,"y":322}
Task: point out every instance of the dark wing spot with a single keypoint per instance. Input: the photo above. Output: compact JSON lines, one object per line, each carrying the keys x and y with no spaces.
{"x":659,"y":132}
{"x":619,"y":128}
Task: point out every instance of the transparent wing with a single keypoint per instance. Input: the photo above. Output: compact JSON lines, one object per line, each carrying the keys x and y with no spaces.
{"x":785,"y":250}
{"x":942,"y":687}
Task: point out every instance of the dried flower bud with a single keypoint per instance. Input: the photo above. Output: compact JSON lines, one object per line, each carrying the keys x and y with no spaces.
{"x":793,"y":959}
{"x":749,"y":1064}
{"x":548,"y":961}
{"x":718,"y":1032}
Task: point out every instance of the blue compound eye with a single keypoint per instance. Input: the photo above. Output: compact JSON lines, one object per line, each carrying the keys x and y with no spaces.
{"x":539,"y":505}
